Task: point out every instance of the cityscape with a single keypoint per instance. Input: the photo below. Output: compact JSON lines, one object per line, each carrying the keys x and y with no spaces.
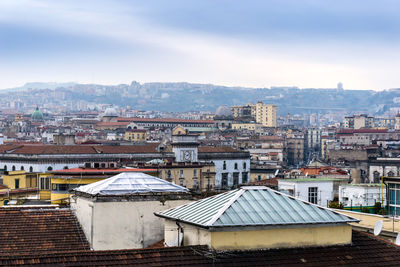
{"x":198,"y":166}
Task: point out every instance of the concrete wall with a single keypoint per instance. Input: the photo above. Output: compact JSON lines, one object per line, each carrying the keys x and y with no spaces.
{"x":192,"y":235}
{"x":357,"y":195}
{"x":122,"y":225}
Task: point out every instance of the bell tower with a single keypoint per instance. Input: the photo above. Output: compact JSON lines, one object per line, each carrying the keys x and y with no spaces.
{"x":184,"y":145}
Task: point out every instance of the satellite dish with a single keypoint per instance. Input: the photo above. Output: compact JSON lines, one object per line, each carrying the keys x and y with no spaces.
{"x":397,"y":242}
{"x":378,"y":227}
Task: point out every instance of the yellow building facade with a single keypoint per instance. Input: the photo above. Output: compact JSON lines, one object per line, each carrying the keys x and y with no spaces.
{"x":192,"y":176}
{"x":22,"y":184}
{"x":135,"y":135}
{"x":247,"y":126}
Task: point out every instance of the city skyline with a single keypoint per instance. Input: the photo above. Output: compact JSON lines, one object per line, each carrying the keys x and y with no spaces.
{"x":309,"y":44}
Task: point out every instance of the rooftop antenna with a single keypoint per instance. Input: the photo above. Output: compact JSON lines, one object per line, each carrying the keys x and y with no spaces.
{"x":397,"y":242}
{"x":378,"y":228}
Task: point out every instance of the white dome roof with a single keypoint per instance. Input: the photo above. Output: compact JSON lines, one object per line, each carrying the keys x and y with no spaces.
{"x":110,"y":112}
{"x":223,"y":111}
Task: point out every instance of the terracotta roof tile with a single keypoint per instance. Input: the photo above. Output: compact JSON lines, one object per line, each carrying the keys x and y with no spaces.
{"x":27,"y":230}
{"x":365,"y":250}
{"x":217,"y":149}
{"x":172,"y":120}
{"x":77,"y":149}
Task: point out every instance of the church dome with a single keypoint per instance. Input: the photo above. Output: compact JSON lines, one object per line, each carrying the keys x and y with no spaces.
{"x":110,"y":112}
{"x":37,"y":115}
{"x":223,"y":112}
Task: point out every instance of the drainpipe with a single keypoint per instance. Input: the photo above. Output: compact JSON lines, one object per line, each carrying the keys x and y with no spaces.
{"x":91,"y":226}
{"x":179,"y":231}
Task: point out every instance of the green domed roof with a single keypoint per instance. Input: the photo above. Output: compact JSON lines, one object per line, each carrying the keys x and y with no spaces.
{"x":37,"y":115}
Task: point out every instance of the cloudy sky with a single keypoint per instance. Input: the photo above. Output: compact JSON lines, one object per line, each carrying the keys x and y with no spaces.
{"x":305,"y":43}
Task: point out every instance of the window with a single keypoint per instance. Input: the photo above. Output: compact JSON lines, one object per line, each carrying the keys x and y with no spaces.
{"x":194,"y":173}
{"x":236,"y":166}
{"x":244,"y":177}
{"x":224,"y":181}
{"x":16,"y":183}
{"x":181,"y":173}
{"x":244,"y":165}
{"x":5,"y":167}
{"x":13,"y":168}
{"x":390,"y":174}
{"x":22,"y":168}
{"x":259,"y":177}
{"x":169,"y":174}
{"x":223,"y":166}
{"x":376,"y":176}
{"x":49,"y":168}
{"x":235,"y":178}
{"x":30,"y":169}
{"x":313,"y":195}
{"x":45,"y":183}
{"x":181,"y":183}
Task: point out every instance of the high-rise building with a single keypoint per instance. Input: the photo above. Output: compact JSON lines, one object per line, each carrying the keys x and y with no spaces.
{"x":264,"y":114}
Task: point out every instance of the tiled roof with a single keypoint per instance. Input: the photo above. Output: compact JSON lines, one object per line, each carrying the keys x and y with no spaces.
{"x":164,"y":120}
{"x":365,"y":250}
{"x":351,"y":131}
{"x":217,"y":149}
{"x":41,"y":149}
{"x":100,"y":171}
{"x":272,"y":182}
{"x":251,"y":206}
{"x":148,"y":148}
{"x":112,"y":123}
{"x":27,"y":230}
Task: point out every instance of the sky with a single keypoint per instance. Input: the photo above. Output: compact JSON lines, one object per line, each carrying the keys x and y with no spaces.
{"x":303,"y":43}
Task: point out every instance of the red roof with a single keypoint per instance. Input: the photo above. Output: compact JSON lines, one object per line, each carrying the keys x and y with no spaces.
{"x":119,"y":170}
{"x":172,"y":120}
{"x":41,"y":149}
{"x":217,"y":149}
{"x":365,"y":250}
{"x":352,"y":131}
{"x":112,"y":123}
{"x":30,"y":230}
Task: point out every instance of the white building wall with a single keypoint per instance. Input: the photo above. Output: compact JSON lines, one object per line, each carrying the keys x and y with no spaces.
{"x":300,"y":190}
{"x":351,"y":195}
{"x":382,"y":171}
{"x":230,"y":169}
{"x":38,"y":167}
{"x":122,"y":225}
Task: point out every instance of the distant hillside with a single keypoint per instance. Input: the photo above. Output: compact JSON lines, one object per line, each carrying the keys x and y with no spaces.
{"x":207,"y":97}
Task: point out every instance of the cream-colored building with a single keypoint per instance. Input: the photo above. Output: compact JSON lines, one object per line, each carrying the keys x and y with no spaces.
{"x":264,"y":114}
{"x":118,"y":212}
{"x":254,"y":217}
{"x":256,"y":127}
